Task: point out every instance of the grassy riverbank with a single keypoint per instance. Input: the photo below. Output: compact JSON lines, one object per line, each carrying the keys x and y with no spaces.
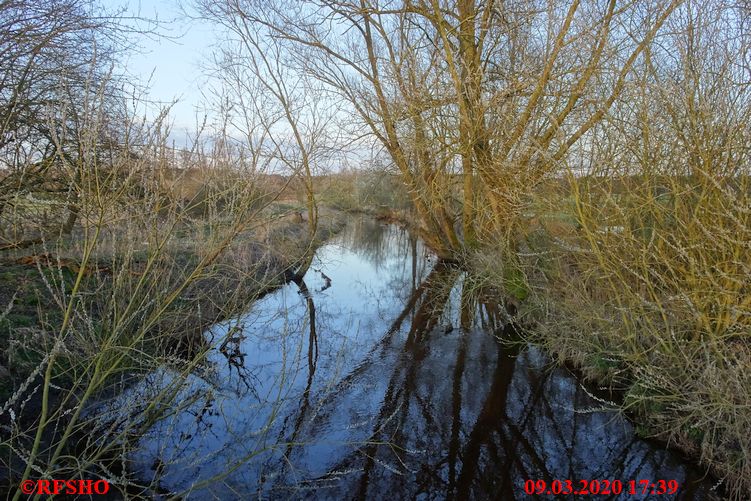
{"x":253,"y":263}
{"x":643,"y":284}
{"x":137,"y":300}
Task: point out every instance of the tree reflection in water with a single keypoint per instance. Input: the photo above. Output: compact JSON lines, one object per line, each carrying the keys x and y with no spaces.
{"x":380,"y":386}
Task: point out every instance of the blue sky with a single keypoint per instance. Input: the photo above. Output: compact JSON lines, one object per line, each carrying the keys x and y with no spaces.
{"x":171,"y":66}
{"x":172,"y":62}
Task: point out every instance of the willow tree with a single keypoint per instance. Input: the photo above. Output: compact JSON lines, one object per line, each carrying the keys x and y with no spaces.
{"x":476,"y":102}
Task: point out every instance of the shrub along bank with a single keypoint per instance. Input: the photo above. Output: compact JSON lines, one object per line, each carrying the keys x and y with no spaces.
{"x":645,"y":285}
{"x":139,"y":304}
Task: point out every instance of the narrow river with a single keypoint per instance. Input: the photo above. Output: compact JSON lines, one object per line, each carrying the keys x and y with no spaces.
{"x":359,"y":383}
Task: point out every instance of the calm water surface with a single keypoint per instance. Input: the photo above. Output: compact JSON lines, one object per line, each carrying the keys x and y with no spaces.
{"x":359,"y":383}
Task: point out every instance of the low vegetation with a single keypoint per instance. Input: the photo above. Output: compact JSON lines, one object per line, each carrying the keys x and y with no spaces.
{"x":648,"y":290}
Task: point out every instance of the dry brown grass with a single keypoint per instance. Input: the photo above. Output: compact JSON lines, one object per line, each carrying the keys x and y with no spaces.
{"x":650,"y":291}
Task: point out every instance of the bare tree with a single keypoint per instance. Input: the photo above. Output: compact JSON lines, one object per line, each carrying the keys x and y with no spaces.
{"x":290,"y":115}
{"x":495,"y":93}
{"x":57,"y":56}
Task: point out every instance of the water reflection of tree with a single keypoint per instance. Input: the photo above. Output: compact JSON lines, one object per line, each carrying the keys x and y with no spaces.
{"x":400,"y":260}
{"x":378,"y":243}
{"x":491,"y":422}
{"x":431,"y":403}
{"x":312,"y":361}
